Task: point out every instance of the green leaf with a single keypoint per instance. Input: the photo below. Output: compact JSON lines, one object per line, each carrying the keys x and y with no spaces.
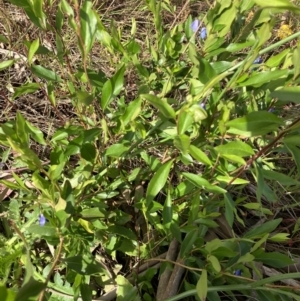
{"x":42,"y":231}
{"x":84,"y":265}
{"x":275,"y":60}
{"x":6,"y":294}
{"x":158,"y":181}
{"x":30,"y":291}
{"x":107,"y":94}
{"x":282,"y":4}
{"x":88,"y":26}
{"x":126,"y":291}
{"x":287,"y":94}
{"x":202,"y":183}
{"x":45,"y":73}
{"x":6,"y":64}
{"x":199,"y":155}
{"x":227,"y":179}
{"x":3,"y":39}
{"x":92,"y":213}
{"x":254,"y":124}
{"x":122,"y":231}
{"x":237,"y":148}
{"x":215,"y":263}
{"x":273,"y":259}
{"x":168,"y":210}
{"x":26,"y":89}
{"x":202,"y":285}
{"x":294,"y":150}
{"x":161,"y":104}
{"x":116,"y":150}
{"x":229,"y":209}
{"x":185,"y":120}
{"x":260,"y":78}
{"x":188,"y":243}
{"x":36,"y":133}
{"x":118,"y":81}
{"x":281,"y":178}
{"x":266,"y":228}
{"x":88,"y":152}
{"x":34,"y":46}
{"x":132,"y":111}
{"x":84,"y":97}
{"x":86,"y":292}
{"x":182,"y":142}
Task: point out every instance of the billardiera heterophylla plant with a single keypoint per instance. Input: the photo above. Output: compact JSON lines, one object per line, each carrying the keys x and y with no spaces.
{"x":176,"y":167}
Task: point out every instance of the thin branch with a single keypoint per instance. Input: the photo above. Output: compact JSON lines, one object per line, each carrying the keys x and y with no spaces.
{"x":55,"y":262}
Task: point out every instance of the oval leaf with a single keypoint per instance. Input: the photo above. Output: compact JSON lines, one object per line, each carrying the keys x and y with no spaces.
{"x":160,"y":104}
{"x":158,"y":181}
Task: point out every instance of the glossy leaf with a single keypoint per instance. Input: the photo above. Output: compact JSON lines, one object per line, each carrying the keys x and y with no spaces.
{"x":158,"y":181}
{"x":88,"y":152}
{"x":202,"y":285}
{"x":88,"y":25}
{"x":273,"y":259}
{"x":34,"y":46}
{"x":84,"y":265}
{"x":45,"y":73}
{"x":188,"y":242}
{"x":259,"y":79}
{"x":30,"y":290}
{"x":229,"y":209}
{"x":7,"y":294}
{"x":160,"y":104}
{"x":237,"y":148}
{"x":182,"y":142}
{"x":6,"y":64}
{"x":215,"y":263}
{"x":199,"y":155}
{"x":265,"y":228}
{"x":132,"y":111}
{"x":202,"y":183}
{"x":168,"y":210}
{"x":254,"y":124}
{"x":287,"y":94}
{"x":282,"y":4}
{"x":185,"y":120}
{"x":116,"y":150}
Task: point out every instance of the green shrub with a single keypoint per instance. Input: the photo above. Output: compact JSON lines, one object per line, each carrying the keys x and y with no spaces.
{"x":183,"y":141}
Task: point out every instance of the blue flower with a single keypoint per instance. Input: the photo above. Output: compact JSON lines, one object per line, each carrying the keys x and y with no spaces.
{"x":203,"y":33}
{"x":195,"y":25}
{"x":202,"y":105}
{"x":258,"y":60}
{"x":42,"y":220}
{"x":271,"y":110}
{"x":237,"y":273}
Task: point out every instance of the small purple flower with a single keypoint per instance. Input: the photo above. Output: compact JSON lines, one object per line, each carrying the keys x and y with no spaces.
{"x":258,"y":60}
{"x":42,"y":220}
{"x":237,"y":273}
{"x":195,"y":25}
{"x":202,"y":105}
{"x":271,"y":110}
{"x":203,"y":33}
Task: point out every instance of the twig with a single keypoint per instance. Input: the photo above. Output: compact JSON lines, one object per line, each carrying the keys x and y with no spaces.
{"x":53,"y":267}
{"x":165,"y":277}
{"x":261,"y":152}
{"x":175,"y":279}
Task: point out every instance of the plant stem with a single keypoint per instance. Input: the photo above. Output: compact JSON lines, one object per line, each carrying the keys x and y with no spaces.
{"x":55,"y":262}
